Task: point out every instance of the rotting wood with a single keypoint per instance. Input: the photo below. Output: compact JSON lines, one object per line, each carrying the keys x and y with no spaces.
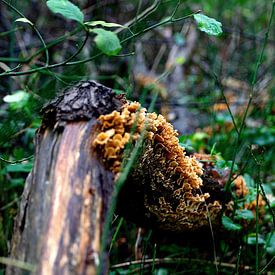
{"x":65,"y":201}
{"x":66,"y":198}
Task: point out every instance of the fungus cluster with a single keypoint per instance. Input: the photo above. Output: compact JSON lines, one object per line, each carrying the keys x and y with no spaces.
{"x":115,"y":130}
{"x":170,"y":180}
{"x":172,"y":190}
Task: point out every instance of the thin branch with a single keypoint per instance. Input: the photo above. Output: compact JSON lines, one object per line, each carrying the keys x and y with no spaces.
{"x":258,"y":64}
{"x":159,"y":261}
{"x":16,"y":161}
{"x":66,"y":63}
{"x":33,"y":27}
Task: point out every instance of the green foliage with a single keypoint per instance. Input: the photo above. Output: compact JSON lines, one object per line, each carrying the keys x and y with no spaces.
{"x":244,"y":214}
{"x":252,"y":239}
{"x":67,"y":9}
{"x":270,"y":243}
{"x":72,"y":58}
{"x":16,"y":97}
{"x":230,"y":225}
{"x":208,"y":25}
{"x":92,"y":24}
{"x":107,"y":41}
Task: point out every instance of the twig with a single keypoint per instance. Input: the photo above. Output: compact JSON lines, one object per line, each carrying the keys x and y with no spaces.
{"x":16,"y":263}
{"x":66,"y":63}
{"x":158,"y":261}
{"x":259,"y":62}
{"x":16,"y":161}
{"x":33,"y":27}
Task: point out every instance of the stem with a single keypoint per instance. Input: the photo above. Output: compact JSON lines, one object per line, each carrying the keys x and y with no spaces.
{"x":258,"y":64}
{"x":33,"y":27}
{"x":63,"y":63}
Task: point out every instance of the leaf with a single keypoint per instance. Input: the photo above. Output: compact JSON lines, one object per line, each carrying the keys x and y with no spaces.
{"x":252,"y":239}
{"x":209,"y":25}
{"x":19,"y":167}
{"x":67,"y":9}
{"x":180,"y":60}
{"x":230,"y":225}
{"x":270,"y":243}
{"x":16,"y":97}
{"x":244,"y":214}
{"x":182,"y":139}
{"x":103,"y":24}
{"x":107,"y":42}
{"x":24,"y":20}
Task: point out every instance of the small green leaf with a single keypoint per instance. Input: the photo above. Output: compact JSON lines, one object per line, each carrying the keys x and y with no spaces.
{"x":209,"y":25}
{"x":180,"y":60}
{"x":244,"y":214}
{"x":230,"y":225}
{"x":200,"y":136}
{"x":182,"y":139}
{"x":19,"y":167}
{"x":92,"y":24}
{"x":270,"y":243}
{"x":24,"y":20}
{"x":16,"y":97}
{"x":252,"y":239}
{"x":67,"y":9}
{"x":107,"y":41}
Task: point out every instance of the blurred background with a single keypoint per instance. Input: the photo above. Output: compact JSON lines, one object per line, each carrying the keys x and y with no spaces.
{"x":206,"y":87}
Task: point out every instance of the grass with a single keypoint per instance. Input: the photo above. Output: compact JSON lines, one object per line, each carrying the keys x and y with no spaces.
{"x":54,"y":62}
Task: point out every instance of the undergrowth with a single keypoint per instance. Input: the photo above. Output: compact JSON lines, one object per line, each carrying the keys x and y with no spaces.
{"x":219,"y":94}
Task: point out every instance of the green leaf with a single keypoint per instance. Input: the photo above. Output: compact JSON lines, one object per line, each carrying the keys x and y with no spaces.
{"x":209,"y":25}
{"x":200,"y":136}
{"x":19,"y":167}
{"x":230,"y":225}
{"x":252,"y":239}
{"x":182,"y":139}
{"x":244,"y":214}
{"x":24,"y":20}
{"x":107,"y":42}
{"x":16,"y":97}
{"x":92,"y":24}
{"x":67,"y":9}
{"x":180,"y":60}
{"x":270,"y":243}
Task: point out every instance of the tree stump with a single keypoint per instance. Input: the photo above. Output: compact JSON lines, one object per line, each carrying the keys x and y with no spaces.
{"x":66,"y":196}
{"x":80,"y":152}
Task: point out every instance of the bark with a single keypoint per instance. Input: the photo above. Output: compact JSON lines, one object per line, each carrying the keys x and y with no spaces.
{"x":66,"y":197}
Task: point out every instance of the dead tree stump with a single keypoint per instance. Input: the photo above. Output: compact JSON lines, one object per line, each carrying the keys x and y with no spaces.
{"x":79,"y":151}
{"x":66,"y":196}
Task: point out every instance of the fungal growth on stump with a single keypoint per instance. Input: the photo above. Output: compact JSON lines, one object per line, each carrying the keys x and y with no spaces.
{"x":167,"y":180}
{"x":81,"y":148}
{"x":167,"y":188}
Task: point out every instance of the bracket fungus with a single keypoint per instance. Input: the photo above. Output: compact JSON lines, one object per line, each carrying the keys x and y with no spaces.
{"x":167,"y":188}
{"x":167,"y":180}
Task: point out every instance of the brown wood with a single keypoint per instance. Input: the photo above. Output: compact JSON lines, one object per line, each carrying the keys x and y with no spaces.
{"x":59,"y":225}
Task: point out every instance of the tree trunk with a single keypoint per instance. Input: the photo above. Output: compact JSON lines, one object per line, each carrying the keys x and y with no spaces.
{"x":59,"y":225}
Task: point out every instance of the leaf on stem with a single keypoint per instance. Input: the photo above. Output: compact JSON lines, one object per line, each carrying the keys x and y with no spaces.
{"x":244,"y":214}
{"x":107,"y":41}
{"x":16,"y":97}
{"x":67,"y":9}
{"x":24,"y":20}
{"x":230,"y":225}
{"x":92,"y":24}
{"x":209,"y":25}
